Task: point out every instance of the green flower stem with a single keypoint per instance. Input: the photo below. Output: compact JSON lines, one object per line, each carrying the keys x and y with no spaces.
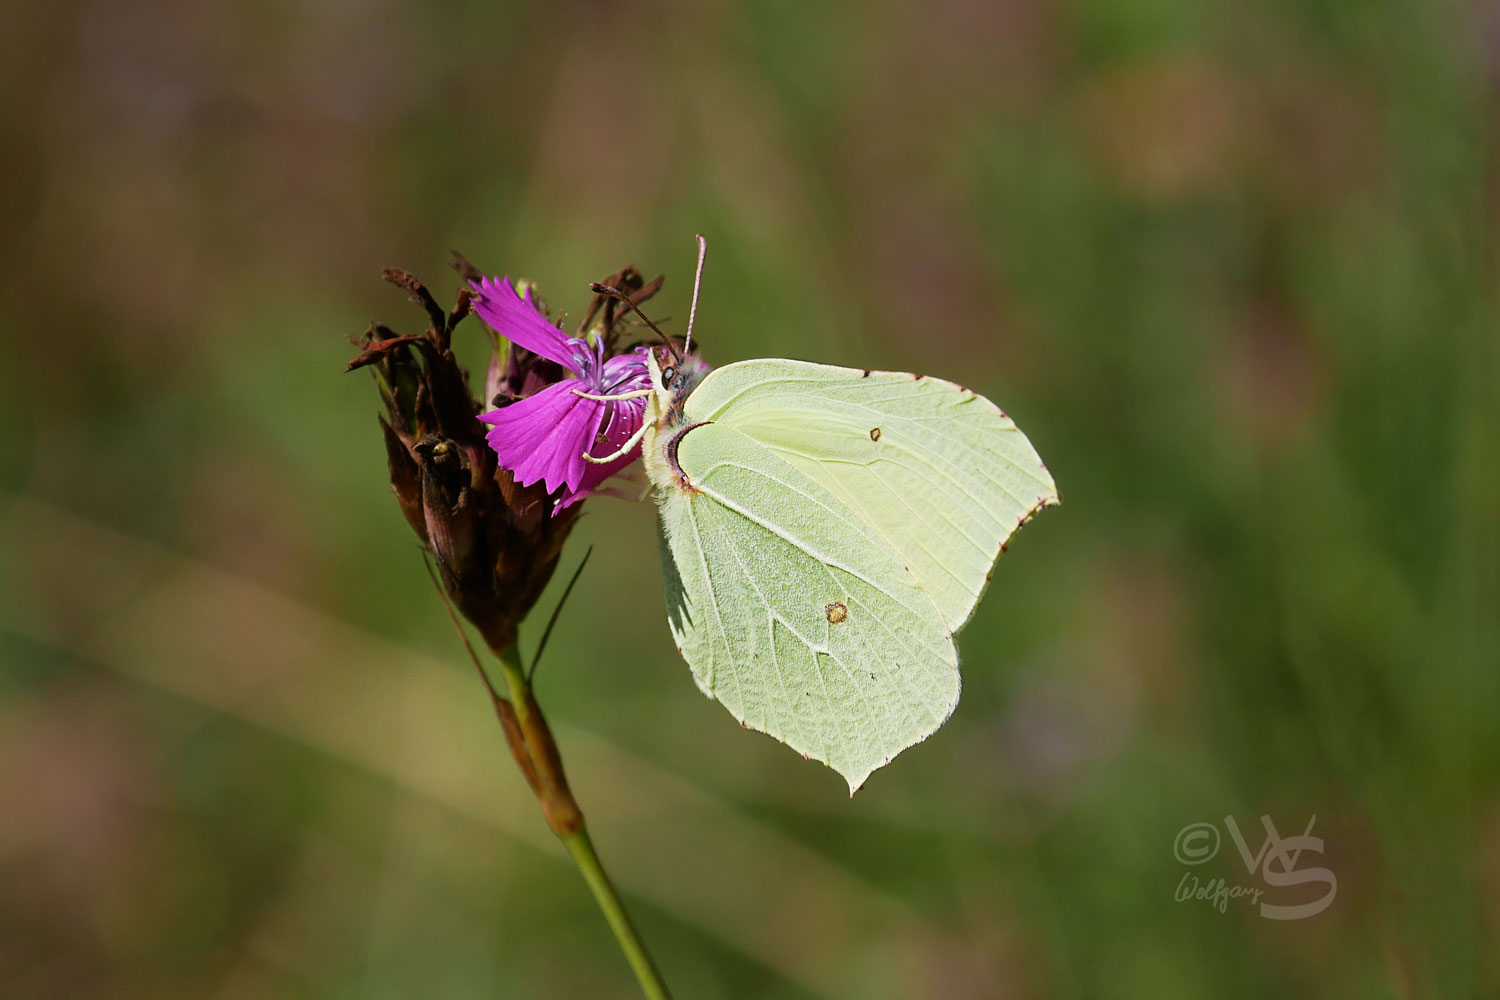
{"x":582,"y":848}
{"x":535,"y":750}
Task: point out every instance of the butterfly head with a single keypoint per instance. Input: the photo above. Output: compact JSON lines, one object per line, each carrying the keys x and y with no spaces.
{"x":673,"y":379}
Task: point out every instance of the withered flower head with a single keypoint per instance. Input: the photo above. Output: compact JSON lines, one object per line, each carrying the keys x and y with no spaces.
{"x":496,"y":542}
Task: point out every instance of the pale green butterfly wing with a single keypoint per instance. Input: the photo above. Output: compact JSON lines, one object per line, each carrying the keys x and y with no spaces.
{"x":795,"y":614}
{"x":938,"y":472}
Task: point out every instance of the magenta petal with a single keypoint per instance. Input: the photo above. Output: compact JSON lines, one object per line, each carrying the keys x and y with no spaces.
{"x":517,"y":320}
{"x":543,"y":437}
{"x":623,"y":421}
{"x":626,"y":372}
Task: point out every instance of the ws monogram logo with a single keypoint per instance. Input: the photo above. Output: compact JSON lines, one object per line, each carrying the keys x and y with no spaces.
{"x":1276,"y":863}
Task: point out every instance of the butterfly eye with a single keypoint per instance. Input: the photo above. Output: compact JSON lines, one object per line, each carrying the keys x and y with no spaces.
{"x":668,"y":375}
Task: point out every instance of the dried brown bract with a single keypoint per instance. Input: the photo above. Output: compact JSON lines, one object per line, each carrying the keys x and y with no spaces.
{"x":496,"y":543}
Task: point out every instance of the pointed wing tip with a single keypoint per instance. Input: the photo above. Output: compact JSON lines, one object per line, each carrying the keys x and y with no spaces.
{"x":857,"y":781}
{"x":1051,"y":498}
{"x":857,"y":773}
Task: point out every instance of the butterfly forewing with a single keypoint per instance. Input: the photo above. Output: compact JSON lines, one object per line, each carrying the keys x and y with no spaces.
{"x":795,"y":613}
{"x":939,"y":473}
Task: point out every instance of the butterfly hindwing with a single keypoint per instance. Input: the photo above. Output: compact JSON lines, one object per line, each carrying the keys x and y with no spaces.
{"x":795,"y":613}
{"x":936,"y":471}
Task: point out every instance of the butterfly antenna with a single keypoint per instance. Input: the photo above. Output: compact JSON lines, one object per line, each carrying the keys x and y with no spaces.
{"x":687,"y":343}
{"x":601,"y":289}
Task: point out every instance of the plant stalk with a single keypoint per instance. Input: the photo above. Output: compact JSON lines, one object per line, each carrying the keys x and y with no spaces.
{"x":582,"y":848}
{"x":531,"y":743}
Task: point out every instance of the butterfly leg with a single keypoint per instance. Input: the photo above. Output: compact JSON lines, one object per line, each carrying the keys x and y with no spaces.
{"x":624,"y":448}
{"x":637,"y":394}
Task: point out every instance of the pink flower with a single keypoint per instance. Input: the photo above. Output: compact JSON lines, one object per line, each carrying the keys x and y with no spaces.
{"x":545,"y":435}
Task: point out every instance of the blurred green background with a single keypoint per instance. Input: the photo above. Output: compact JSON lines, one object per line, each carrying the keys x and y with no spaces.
{"x":1233,"y":268}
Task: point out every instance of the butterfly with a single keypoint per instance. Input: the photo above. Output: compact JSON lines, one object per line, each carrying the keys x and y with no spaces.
{"x":825,"y":532}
